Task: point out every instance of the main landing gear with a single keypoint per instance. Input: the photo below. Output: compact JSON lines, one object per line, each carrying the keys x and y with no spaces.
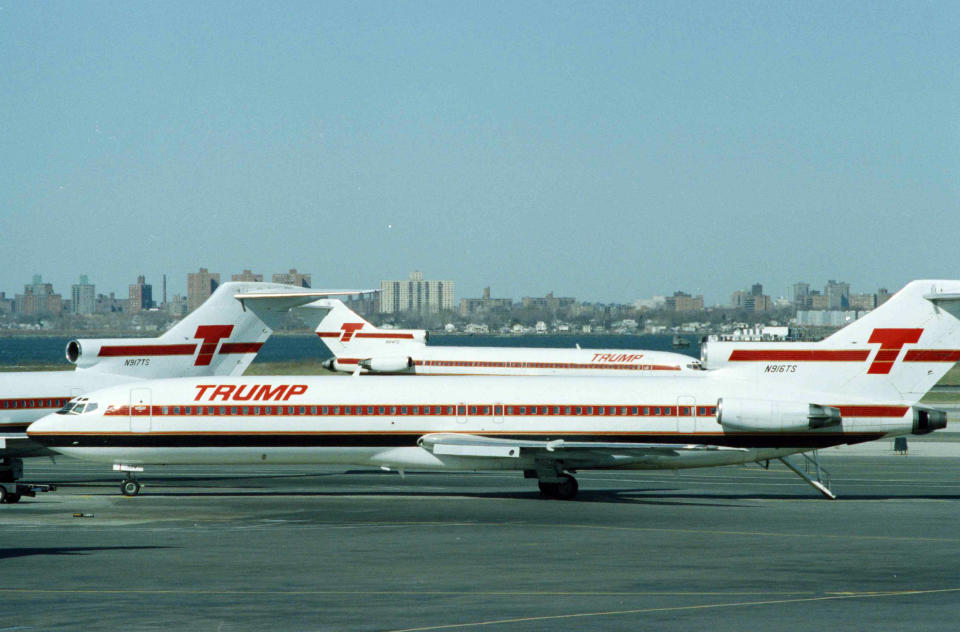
{"x":553,"y":480}
{"x":565,"y":489}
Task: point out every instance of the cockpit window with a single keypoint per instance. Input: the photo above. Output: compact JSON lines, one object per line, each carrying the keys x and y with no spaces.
{"x":92,"y":406}
{"x":73,"y":407}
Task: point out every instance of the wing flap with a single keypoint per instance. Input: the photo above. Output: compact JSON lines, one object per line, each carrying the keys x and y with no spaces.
{"x":481,"y":446}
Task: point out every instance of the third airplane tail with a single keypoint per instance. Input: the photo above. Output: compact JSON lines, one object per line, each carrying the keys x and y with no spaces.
{"x":897,"y":352}
{"x":353,"y":340}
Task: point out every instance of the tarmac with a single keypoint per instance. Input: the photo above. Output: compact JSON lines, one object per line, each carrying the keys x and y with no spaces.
{"x":302,"y":548}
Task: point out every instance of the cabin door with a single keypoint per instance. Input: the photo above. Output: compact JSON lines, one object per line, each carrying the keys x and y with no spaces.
{"x":141,"y":410}
{"x":686,"y":412}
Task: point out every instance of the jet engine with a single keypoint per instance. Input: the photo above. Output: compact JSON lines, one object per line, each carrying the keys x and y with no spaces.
{"x":760,"y":415}
{"x":83,"y":353}
{"x":926,"y":420}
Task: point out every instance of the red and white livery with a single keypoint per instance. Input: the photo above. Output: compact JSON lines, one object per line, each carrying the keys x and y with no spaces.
{"x":860,"y":384}
{"x":356,"y":345}
{"x":220,"y":338}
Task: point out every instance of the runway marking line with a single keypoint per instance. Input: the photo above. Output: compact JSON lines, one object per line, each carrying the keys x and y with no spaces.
{"x":392,"y":593}
{"x":867,"y":595}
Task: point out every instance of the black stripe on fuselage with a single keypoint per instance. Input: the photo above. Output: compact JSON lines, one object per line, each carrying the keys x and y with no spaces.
{"x":354,"y":440}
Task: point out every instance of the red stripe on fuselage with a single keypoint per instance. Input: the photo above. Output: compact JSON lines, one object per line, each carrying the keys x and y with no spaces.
{"x":146,"y":350}
{"x":240,"y":347}
{"x":799,"y":355}
{"x":932,"y":355}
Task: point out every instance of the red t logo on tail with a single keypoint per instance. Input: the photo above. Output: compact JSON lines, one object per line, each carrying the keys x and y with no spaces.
{"x":348,"y":330}
{"x":891,"y":342}
{"x":211,"y":336}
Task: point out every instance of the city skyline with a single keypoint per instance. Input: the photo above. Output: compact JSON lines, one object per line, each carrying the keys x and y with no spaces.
{"x":141,"y":292}
{"x":601,"y":151}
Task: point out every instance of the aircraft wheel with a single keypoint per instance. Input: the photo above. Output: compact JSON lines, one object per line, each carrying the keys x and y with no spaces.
{"x":567,"y":487}
{"x":13,"y":498}
{"x":548,"y":490}
{"x":129,"y":487}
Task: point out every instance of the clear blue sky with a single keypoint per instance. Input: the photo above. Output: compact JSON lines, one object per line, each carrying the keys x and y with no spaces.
{"x":606,"y":151}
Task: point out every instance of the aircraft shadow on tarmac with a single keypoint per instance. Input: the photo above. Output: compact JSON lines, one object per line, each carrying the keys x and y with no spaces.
{"x":254,"y":485}
{"x":69,"y":550}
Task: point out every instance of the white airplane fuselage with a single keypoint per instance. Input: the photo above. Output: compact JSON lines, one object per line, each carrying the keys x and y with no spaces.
{"x":379,"y":422}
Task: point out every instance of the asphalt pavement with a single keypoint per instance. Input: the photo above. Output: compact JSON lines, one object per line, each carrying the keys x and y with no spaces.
{"x":303,"y":548}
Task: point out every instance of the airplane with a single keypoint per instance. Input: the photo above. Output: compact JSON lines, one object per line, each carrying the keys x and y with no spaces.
{"x":358,"y":345}
{"x":862,"y":383}
{"x":221,"y":337}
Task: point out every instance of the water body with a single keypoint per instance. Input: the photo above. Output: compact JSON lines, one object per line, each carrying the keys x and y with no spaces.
{"x":49,"y":350}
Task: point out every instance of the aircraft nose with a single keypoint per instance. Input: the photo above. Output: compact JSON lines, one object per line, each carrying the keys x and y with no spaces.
{"x":43,"y":426}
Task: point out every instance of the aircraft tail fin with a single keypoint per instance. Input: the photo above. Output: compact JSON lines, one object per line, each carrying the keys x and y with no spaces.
{"x":352,"y":339}
{"x":897,"y":352}
{"x":221,"y":337}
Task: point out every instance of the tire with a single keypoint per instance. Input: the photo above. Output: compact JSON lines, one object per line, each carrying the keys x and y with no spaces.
{"x":13,"y":498}
{"x":3,"y":494}
{"x":129,"y":488}
{"x":567,"y":488}
{"x":548,"y":490}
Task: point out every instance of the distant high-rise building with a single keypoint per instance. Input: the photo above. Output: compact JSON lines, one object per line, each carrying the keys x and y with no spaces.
{"x":83,"y":297}
{"x":177,"y":307}
{"x":416,"y":295}
{"x":683,"y":302}
{"x":882,"y":296}
{"x":753,"y":301}
{"x":38,"y":298}
{"x":801,"y":294}
{"x":247,"y":275}
{"x":470,"y":306}
{"x":292,"y":278}
{"x":838,"y":294}
{"x":863,"y":302}
{"x":549,"y":302}
{"x":140,"y":295}
{"x":200,"y":285}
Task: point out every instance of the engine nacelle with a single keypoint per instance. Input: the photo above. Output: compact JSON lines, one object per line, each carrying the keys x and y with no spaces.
{"x":387,"y":365}
{"x":761,"y":415}
{"x":926,"y":420}
{"x":83,"y":353}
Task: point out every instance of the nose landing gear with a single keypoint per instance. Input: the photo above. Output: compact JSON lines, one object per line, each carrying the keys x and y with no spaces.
{"x":130,"y":487}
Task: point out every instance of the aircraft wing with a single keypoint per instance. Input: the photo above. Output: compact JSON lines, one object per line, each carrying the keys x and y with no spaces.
{"x":480,"y":446}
